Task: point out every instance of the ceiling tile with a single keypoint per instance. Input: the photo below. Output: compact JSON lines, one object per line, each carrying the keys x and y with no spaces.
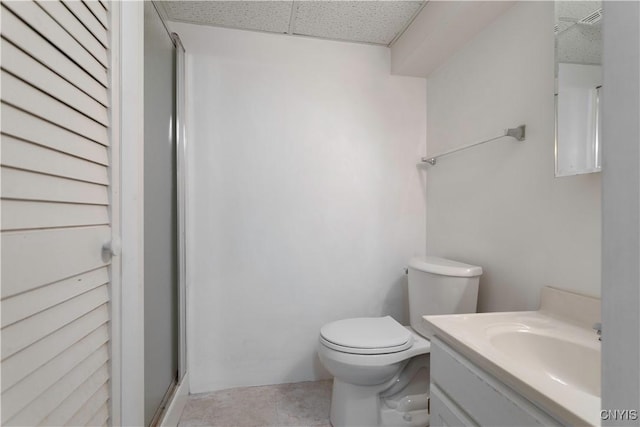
{"x":575,"y":10}
{"x":578,"y":43}
{"x":272,"y":16}
{"x":359,"y":21}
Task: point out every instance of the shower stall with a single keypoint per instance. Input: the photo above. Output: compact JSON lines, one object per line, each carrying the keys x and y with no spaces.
{"x":164,"y":249}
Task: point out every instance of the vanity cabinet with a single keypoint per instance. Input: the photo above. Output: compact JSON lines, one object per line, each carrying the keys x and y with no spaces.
{"x":462,"y":394}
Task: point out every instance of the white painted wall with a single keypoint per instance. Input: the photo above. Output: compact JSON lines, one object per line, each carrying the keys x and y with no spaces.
{"x":499,"y":205}
{"x":438,"y":31}
{"x":305,"y":199}
{"x":621,"y":211}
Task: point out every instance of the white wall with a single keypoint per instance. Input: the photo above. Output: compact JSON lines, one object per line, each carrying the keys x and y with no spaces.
{"x":621,"y":210}
{"x":499,"y":205}
{"x":438,"y":31}
{"x":305,"y":199}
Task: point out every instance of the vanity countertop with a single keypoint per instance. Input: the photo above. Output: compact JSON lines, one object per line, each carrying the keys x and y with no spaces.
{"x":550,"y":356}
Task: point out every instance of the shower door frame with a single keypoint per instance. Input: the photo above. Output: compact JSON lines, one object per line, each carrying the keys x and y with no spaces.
{"x":175,"y":398}
{"x":127,"y":191}
{"x":181,"y":172}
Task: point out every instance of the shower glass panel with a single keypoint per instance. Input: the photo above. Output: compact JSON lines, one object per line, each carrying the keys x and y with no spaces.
{"x":161,"y":295}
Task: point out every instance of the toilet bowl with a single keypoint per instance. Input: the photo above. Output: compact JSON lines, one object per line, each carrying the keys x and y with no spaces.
{"x":381,"y":368}
{"x":361,"y":375}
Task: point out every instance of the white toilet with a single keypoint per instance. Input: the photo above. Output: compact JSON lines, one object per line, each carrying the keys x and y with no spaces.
{"x":381,"y":368}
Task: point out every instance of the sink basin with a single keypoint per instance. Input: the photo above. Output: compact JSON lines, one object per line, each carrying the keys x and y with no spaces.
{"x":550,"y":356}
{"x":568,"y":363}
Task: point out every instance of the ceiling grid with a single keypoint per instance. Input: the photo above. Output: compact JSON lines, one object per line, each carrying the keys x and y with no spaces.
{"x":376,"y":22}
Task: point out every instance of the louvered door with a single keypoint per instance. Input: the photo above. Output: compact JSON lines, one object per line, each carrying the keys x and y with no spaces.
{"x":55,"y":213}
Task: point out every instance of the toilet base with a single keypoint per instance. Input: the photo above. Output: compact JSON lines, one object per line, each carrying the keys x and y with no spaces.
{"x":400,"y":402}
{"x":354,"y":405}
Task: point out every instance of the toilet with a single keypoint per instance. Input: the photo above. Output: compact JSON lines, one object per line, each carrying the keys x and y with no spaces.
{"x":381,"y":368}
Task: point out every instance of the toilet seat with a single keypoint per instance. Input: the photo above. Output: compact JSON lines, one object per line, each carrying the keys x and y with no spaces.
{"x":366,"y":335}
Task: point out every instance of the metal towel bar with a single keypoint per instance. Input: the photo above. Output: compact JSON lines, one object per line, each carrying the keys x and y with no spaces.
{"x":518,"y":133}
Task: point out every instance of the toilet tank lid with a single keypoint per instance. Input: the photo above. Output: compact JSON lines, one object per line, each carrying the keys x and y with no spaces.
{"x":444,"y":267}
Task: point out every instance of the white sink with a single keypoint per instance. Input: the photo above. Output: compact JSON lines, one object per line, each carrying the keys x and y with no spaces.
{"x":550,"y":357}
{"x":571,"y":364}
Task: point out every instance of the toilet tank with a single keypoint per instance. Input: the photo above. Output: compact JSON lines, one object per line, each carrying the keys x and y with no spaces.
{"x":440,"y":286}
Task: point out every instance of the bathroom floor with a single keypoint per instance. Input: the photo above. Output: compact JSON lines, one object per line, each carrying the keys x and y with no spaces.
{"x":296,"y":404}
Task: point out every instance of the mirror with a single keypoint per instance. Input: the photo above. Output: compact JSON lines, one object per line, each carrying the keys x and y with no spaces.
{"x":578,"y":71}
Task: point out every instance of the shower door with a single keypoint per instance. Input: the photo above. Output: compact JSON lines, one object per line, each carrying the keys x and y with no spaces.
{"x":161,"y":312}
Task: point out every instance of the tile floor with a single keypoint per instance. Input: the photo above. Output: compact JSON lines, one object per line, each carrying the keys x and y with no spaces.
{"x":297,"y":404}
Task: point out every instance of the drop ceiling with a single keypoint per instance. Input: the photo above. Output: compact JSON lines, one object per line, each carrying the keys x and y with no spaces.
{"x":569,"y":13}
{"x":376,"y":22}
{"x":579,"y":32}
